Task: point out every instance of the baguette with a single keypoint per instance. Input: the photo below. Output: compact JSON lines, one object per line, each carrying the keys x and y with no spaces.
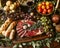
{"x":5,"y":25}
{"x":12,"y":34}
{"x":9,"y":29}
{"x":3,"y":33}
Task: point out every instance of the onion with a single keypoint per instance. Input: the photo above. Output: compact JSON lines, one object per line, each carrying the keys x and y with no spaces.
{"x":55,"y":18}
{"x":57,"y":28}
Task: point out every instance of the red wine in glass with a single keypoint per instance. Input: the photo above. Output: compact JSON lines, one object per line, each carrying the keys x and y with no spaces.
{"x":30,"y":3}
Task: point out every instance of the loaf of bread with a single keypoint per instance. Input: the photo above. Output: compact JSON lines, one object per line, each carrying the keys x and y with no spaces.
{"x":9,"y":29}
{"x":5,"y":25}
{"x":3,"y":33}
{"x":12,"y":34}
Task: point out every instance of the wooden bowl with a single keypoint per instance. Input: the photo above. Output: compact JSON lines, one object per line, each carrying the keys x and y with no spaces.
{"x":54,"y":8}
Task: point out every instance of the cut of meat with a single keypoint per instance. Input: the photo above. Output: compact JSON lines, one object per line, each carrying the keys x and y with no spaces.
{"x":19,"y":31}
{"x":18,"y":28}
{"x":31,"y":33}
{"x":22,"y":28}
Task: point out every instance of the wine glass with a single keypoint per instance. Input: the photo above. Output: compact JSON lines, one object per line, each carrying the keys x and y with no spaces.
{"x":29,"y":4}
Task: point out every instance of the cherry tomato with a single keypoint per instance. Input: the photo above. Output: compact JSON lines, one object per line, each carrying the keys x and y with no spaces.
{"x":39,"y":5}
{"x":47,"y":7}
{"x":43,"y":7}
{"x":40,"y":10}
{"x":49,"y":10}
{"x":51,"y":5}
{"x":43,"y":3}
{"x":47,"y":3}
{"x":45,"y":10}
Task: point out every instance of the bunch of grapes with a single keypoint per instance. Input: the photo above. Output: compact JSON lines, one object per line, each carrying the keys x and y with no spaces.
{"x":46,"y":22}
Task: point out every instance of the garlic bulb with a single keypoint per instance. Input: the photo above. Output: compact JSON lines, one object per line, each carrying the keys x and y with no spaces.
{"x":24,"y":27}
{"x":15,"y":4}
{"x":6,"y":8}
{"x":29,"y":25}
{"x":8,"y":3}
{"x":12,"y":6}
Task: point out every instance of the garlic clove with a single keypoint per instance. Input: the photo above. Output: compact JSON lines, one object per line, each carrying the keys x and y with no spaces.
{"x":29,"y":25}
{"x":24,"y":27}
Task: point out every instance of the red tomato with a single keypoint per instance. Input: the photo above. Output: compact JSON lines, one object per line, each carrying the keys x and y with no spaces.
{"x":47,"y":3}
{"x":47,"y":7}
{"x":49,"y":10}
{"x":40,"y":10}
{"x":39,"y":5}
{"x":51,"y":5}
{"x":43,"y":3}
{"x":44,"y":12}
{"x":43,"y":7}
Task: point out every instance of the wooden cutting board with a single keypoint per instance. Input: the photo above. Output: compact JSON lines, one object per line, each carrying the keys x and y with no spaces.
{"x":29,"y":39}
